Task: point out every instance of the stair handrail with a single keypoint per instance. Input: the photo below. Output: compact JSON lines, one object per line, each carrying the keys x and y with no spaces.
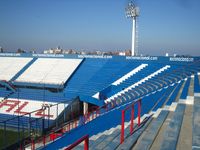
{"x":86,"y":143}
{"x":131,"y":106}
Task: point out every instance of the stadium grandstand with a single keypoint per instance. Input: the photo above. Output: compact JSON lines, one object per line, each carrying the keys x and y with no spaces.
{"x":57,"y":101}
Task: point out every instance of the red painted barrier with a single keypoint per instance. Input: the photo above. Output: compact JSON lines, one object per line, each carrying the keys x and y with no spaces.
{"x":96,"y":111}
{"x":86,"y":143}
{"x":32,"y":145}
{"x":53,"y":136}
{"x":139,"y":111}
{"x":44,"y":140}
{"x":132,"y":118}
{"x":122,"y":127}
{"x":76,"y":123}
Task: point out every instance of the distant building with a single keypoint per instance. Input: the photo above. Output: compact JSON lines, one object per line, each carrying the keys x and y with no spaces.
{"x":122,"y":53}
{"x":58,"y":50}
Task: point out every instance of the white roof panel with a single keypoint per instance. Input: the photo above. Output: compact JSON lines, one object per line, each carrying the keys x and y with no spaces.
{"x":10,"y":66}
{"x":49,"y":71}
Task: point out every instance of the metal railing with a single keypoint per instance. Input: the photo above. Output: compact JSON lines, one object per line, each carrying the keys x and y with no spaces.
{"x":69,"y":126}
{"x":86,"y":143}
{"x":40,"y":136}
{"x":131,"y":106}
{"x":26,"y":128}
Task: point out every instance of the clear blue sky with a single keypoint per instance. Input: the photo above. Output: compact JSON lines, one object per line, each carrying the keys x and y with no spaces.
{"x":164,"y":25}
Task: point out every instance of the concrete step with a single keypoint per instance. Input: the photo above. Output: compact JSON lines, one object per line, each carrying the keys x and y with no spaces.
{"x":185,"y":140}
{"x":132,"y":139}
{"x":106,"y":141}
{"x":107,"y":132}
{"x":116,"y":141}
{"x":172,"y":131}
{"x":191,"y":87}
{"x":148,"y":136}
{"x":102,"y":138}
{"x":156,"y":144}
{"x":196,"y":123}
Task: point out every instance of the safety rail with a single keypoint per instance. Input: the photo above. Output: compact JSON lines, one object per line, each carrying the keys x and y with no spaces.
{"x":131,"y":106}
{"x":31,"y":134}
{"x":69,"y":126}
{"x":45,"y":137}
{"x":86,"y":143}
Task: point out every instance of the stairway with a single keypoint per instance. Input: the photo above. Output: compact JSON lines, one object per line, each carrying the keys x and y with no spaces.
{"x":176,"y":130}
{"x":169,"y":128}
{"x":110,"y":139}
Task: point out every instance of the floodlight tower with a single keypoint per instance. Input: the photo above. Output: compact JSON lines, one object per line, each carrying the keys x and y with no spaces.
{"x":132,"y":11}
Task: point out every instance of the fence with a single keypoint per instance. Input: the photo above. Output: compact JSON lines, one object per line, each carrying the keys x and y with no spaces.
{"x":39,"y":131}
{"x":106,"y":108}
{"x":22,"y":129}
{"x":138,"y":102}
{"x":69,"y":126}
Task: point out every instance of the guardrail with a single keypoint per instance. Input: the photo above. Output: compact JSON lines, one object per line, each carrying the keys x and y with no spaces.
{"x":42,"y":138}
{"x":28,"y":128}
{"x":86,"y":143}
{"x":69,"y":126}
{"x":131,"y":106}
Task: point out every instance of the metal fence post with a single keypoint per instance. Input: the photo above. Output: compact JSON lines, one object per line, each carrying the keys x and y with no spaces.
{"x":122,"y":127}
{"x":48,"y":116}
{"x":57,"y":115}
{"x":29,"y":125}
{"x":32,"y":144}
{"x":132,"y":119}
{"x":44,"y":140}
{"x":5,"y":136}
{"x":86,"y":144}
{"x":139,"y":111}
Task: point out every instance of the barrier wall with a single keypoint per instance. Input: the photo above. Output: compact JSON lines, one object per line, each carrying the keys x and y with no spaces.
{"x":136,"y":58}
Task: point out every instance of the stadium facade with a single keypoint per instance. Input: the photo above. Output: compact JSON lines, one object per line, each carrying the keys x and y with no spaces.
{"x":46,"y":96}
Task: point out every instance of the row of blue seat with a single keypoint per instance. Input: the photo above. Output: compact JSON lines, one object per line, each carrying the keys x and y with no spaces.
{"x":174,"y":94}
{"x":4,"y":92}
{"x":103,"y":75}
{"x":163,"y":98}
{"x":149,"y":86}
{"x":172,"y":131}
{"x":185,"y":89}
{"x":133,"y":79}
{"x":196,"y":84}
{"x":85,"y":72}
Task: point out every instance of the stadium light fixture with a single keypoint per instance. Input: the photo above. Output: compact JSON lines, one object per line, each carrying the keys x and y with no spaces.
{"x":132,"y":11}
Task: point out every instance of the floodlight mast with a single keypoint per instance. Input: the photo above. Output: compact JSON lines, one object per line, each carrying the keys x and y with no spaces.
{"x":132,"y":11}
